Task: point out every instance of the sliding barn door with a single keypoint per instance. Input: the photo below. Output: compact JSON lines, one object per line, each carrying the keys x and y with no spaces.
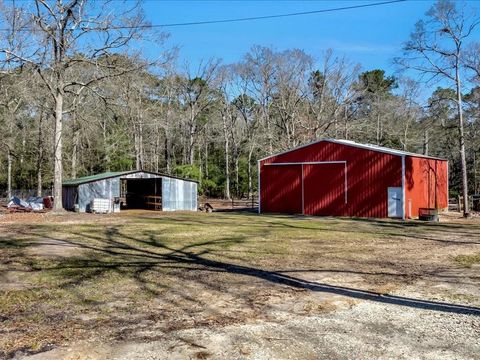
{"x":281,"y":189}
{"x":324,"y":189}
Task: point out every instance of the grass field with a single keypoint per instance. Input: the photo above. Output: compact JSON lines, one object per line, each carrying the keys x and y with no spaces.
{"x":139,"y":276}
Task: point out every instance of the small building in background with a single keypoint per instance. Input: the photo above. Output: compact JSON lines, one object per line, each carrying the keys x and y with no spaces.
{"x":130,"y":190}
{"x":343,"y":178}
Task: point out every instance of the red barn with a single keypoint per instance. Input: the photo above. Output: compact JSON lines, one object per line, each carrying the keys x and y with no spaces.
{"x":344,"y":178}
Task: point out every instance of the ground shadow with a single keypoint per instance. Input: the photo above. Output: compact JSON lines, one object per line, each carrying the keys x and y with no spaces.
{"x":150,"y":252}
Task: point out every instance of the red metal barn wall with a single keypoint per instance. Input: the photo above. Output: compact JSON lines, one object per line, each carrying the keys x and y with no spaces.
{"x":368,"y":176}
{"x":426,"y":184}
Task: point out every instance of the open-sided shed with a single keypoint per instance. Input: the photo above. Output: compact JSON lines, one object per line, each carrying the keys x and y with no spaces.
{"x":343,"y":178}
{"x":133,"y":190}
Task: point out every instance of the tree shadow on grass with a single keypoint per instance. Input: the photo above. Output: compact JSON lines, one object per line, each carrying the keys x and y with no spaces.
{"x":413,"y":229}
{"x":143,"y":254}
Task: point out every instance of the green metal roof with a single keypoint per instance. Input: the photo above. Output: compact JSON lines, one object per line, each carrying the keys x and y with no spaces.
{"x":87,"y":179}
{"x":111,"y":174}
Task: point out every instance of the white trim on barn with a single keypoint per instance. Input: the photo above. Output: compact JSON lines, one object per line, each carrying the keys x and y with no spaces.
{"x":357,"y":145}
{"x":307,"y":163}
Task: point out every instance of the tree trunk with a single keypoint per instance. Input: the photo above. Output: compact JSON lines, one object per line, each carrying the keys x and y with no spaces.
{"x":138,"y":147}
{"x":156,"y":160}
{"x":140,"y":143}
{"x":74,"y":156}
{"x":9,"y":174}
{"x":335,"y":127}
{"x":168,"y":156}
{"x":206,"y":158}
{"x":269,"y":135}
{"x":378,"y":129}
{"x":168,"y":152}
{"x":345,"y":130}
{"x":184,"y":150}
{"x":405,"y":134}
{"x":475,"y":175}
{"x":137,"y":153}
{"x":24,"y":143}
{"x":192,"y":129}
{"x":40,"y":154}
{"x":249,"y":171}
{"x":191,"y":145}
{"x":106,"y":151}
{"x":227,"y":161}
{"x":425,"y":142}
{"x":461,"y":138}
{"x":57,"y":166}
{"x":200,"y":169}
{"x":237,"y":185}
{"x":191,"y":151}
{"x":74,"y":149}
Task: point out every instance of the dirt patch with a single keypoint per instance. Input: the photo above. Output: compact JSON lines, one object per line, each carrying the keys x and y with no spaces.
{"x":50,"y":217}
{"x":53,"y":248}
{"x":10,"y":281}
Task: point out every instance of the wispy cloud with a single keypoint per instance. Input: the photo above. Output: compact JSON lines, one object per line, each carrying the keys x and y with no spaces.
{"x":365,"y":48}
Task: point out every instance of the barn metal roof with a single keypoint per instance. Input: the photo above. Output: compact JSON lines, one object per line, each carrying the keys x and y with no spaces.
{"x":362,"y":146}
{"x":112,"y":174}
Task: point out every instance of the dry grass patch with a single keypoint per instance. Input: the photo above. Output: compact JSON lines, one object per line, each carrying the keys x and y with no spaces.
{"x":468,"y":260}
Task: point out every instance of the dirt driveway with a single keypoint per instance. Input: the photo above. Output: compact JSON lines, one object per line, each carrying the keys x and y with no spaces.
{"x":144,"y":285}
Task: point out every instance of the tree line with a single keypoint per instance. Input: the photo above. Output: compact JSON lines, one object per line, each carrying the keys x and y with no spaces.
{"x":78,"y":96}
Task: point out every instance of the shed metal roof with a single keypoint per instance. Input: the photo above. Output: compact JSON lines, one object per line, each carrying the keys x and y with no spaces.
{"x":112,"y":174}
{"x":362,"y":146}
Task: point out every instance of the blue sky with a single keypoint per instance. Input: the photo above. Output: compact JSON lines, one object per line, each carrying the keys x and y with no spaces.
{"x":371,"y":36}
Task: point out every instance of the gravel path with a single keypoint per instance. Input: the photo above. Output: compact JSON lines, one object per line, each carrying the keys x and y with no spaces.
{"x":365,"y":331}
{"x":292,"y":289}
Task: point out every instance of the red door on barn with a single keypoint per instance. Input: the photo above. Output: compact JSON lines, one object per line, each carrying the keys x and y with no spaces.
{"x":324,"y":189}
{"x":281,"y":187}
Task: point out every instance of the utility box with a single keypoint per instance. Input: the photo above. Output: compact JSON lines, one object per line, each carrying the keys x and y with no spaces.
{"x":101,"y":206}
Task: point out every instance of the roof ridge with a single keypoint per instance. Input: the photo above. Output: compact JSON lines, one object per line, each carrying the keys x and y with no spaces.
{"x":112,"y":174}
{"x":371,"y":147}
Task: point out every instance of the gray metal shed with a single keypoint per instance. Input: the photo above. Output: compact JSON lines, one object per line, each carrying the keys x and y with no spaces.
{"x":133,"y":189}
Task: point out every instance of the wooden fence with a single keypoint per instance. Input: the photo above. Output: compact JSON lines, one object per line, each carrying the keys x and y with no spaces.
{"x":245,"y":203}
{"x":456,"y":204}
{"x":232,"y":204}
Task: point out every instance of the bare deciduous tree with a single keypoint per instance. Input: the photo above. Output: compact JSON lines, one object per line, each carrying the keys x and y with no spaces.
{"x":197,"y":96}
{"x":55,"y":37}
{"x":435,"y":49}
